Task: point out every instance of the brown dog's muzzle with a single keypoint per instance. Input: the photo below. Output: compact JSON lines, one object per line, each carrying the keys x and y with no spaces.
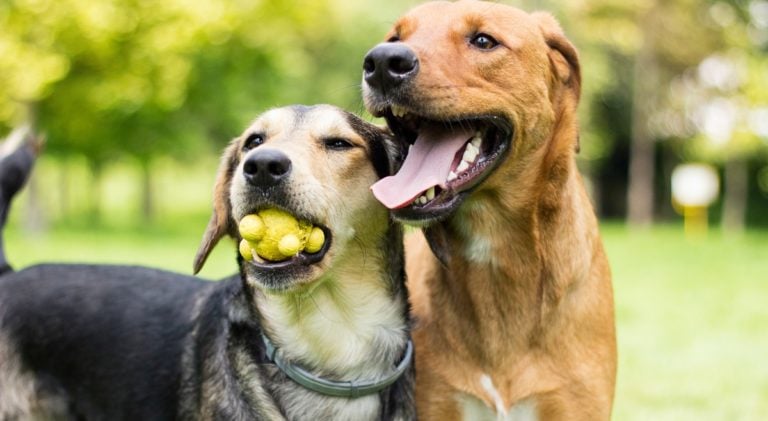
{"x":389,"y":65}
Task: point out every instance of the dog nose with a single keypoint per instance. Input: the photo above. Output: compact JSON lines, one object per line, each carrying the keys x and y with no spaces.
{"x":266,"y":167}
{"x":389,"y":64}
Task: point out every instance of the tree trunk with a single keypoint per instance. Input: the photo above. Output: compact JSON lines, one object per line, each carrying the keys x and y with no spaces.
{"x":94,"y":201}
{"x":640,"y":192}
{"x":147,"y":199}
{"x":735,"y":195}
{"x":64,"y":201}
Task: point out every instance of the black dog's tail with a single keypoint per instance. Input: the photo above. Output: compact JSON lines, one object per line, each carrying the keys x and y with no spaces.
{"x":17,"y":156}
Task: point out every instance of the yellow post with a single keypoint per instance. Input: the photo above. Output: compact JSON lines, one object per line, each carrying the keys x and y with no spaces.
{"x":695,"y":221}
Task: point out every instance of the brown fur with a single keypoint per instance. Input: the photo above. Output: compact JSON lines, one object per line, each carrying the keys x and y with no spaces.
{"x":535,"y":311}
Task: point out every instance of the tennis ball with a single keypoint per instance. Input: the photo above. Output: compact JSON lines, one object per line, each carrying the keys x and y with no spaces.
{"x":245,"y":250}
{"x":289,"y":245}
{"x":315,"y":241}
{"x":276,"y":235}
{"x":252,"y":227}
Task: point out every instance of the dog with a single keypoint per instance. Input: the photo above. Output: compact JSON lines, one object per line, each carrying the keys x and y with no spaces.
{"x":321,"y":335}
{"x":509,"y":283}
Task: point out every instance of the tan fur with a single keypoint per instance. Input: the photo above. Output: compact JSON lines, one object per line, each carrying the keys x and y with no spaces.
{"x":527,"y":298}
{"x":324,"y":181}
{"x":341,"y":315}
{"x":21,"y":396}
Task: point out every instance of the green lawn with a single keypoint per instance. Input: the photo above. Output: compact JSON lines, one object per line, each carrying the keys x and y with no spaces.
{"x":692,"y":316}
{"x":170,"y":247}
{"x":692,"y":319}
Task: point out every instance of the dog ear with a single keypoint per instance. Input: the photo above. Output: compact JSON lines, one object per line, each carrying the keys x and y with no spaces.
{"x":385,"y":152}
{"x":220,"y":223}
{"x":394,"y":150}
{"x":563,"y":56}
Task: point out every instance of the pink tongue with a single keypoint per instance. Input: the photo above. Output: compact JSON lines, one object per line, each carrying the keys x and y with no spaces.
{"x":427,"y":164}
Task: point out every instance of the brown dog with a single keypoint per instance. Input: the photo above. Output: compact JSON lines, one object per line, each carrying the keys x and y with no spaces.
{"x":514,"y":307}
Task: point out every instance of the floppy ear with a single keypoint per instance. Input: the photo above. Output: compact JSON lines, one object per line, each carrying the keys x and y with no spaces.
{"x":386,"y":153}
{"x":393,"y":150}
{"x":220,"y":223}
{"x":563,"y":58}
{"x":562,"y":55}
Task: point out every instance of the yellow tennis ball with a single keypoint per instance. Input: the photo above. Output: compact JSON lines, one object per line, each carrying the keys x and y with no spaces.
{"x":252,"y":227}
{"x":289,"y":245}
{"x":278,"y":225}
{"x":315,"y":241}
{"x":245,"y":250}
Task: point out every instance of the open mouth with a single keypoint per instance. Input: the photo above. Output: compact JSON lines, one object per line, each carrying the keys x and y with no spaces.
{"x":297,"y":261}
{"x":268,"y":254}
{"x":446,"y":159}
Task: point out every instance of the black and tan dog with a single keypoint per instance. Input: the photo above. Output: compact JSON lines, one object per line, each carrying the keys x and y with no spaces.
{"x":318,"y":337}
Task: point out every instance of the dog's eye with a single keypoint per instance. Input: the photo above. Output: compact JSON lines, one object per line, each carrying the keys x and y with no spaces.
{"x":484,"y":42}
{"x":337,"y":143}
{"x":253,"y":140}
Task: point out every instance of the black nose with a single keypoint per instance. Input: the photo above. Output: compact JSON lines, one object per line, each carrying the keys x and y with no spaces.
{"x":266,"y":167}
{"x":389,"y":64}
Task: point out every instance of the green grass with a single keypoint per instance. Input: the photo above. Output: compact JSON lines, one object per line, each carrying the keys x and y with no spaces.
{"x":691,"y":319}
{"x":170,"y":246}
{"x":691,"y":315}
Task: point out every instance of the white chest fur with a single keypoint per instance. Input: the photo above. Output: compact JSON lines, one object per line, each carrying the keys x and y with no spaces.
{"x":473,"y":409}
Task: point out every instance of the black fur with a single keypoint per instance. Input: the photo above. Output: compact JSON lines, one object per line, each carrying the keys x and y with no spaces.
{"x":112,"y":337}
{"x":130,"y":343}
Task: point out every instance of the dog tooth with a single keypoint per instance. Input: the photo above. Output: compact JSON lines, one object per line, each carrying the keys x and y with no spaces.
{"x":398,"y":111}
{"x":452,"y":176}
{"x":467,"y":157}
{"x":470,"y":153}
{"x":258,"y":259}
{"x":476,"y":141}
{"x":431,"y":193}
{"x":463,"y":166}
{"x":422,"y":200}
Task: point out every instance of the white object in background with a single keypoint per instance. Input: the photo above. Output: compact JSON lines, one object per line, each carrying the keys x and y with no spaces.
{"x":695,"y":185}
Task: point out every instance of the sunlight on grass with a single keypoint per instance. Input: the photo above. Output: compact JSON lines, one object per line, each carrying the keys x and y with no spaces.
{"x":691,"y":315}
{"x":171,"y":247}
{"x":691,"y":319}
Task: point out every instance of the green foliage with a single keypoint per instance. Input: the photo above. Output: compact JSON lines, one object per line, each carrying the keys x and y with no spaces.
{"x":138,"y":78}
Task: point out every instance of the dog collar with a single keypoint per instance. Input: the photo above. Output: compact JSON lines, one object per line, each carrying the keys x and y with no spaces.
{"x":342,"y":389}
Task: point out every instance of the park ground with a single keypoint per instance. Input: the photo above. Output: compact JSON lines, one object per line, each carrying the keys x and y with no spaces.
{"x":691,"y":313}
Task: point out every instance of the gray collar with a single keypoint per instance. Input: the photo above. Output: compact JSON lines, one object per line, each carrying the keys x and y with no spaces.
{"x":343,"y":389}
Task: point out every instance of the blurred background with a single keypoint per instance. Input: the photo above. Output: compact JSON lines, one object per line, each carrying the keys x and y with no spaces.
{"x":137,"y":98}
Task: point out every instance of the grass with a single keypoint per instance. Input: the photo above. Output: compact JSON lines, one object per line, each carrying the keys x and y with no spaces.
{"x":691,"y":314}
{"x":169,"y":247}
{"x":691,"y":319}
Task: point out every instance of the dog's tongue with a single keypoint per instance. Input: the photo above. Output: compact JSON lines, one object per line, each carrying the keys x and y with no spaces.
{"x":427,"y":164}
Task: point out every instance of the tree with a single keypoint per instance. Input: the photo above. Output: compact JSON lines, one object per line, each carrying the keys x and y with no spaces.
{"x":662,"y":40}
{"x":119,"y":79}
